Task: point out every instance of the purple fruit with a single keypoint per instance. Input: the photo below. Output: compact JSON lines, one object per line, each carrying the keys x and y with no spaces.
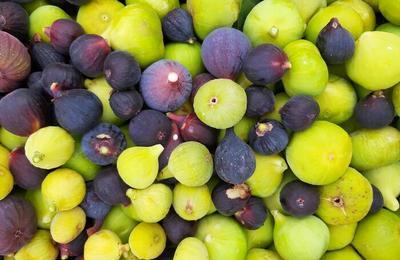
{"x":62,"y":33}
{"x":177,"y":228}
{"x":229,"y":199}
{"x":73,"y":248}
{"x":14,"y":19}
{"x":165,"y":85}
{"x":377,"y":202}
{"x":126,"y":104}
{"x":223,"y":52}
{"x":122,"y":70}
{"x":17,"y":225}
{"x":35,"y":83}
{"x":177,"y":26}
{"x":93,"y":206}
{"x":150,"y":127}
{"x":266,"y":64}
{"x":174,"y":140}
{"x":253,"y":215}
{"x":88,"y":53}
{"x":43,"y":54}
{"x":260,"y":100}
{"x":199,"y":81}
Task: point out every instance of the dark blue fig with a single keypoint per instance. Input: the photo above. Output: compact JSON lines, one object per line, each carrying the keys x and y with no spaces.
{"x":199,"y":81}
{"x":150,"y":127}
{"x":73,"y":248}
{"x":62,"y":33}
{"x":165,"y":85}
{"x":23,"y":111}
{"x":177,"y":26}
{"x":335,"y":43}
{"x":43,"y":54}
{"x":299,"y":112}
{"x":374,"y":111}
{"x":253,"y":215}
{"x":14,"y":19}
{"x":103,"y":144}
{"x":174,"y":140}
{"x":126,"y":104}
{"x":77,"y":110}
{"x":35,"y":83}
{"x":260,"y":100}
{"x":268,"y":137}
{"x":88,"y":53}
{"x":377,"y":202}
{"x":93,"y":206}
{"x":229,"y":199}
{"x":266,"y":64}
{"x":177,"y":228}
{"x":122,"y":71}
{"x":299,"y":199}
{"x":234,"y":160}
{"x":223,"y":52}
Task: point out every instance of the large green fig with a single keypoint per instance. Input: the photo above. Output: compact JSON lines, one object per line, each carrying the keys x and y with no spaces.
{"x":308,"y":8}
{"x":162,"y":7}
{"x":341,"y":235}
{"x":347,"y":253}
{"x":390,"y":9}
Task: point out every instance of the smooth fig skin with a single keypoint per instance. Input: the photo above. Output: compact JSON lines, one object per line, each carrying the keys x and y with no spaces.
{"x":229,"y":199}
{"x":266,"y":64}
{"x":62,"y":33}
{"x":253,"y":215}
{"x":35,"y":83}
{"x":260,"y":100}
{"x":177,"y":26}
{"x":126,"y":104}
{"x":93,"y":206}
{"x":73,"y":248}
{"x":199,"y":81}
{"x":174,"y":140}
{"x":14,"y":19}
{"x":335,"y":43}
{"x":377,"y":202}
{"x":176,"y":228}
{"x":43,"y":54}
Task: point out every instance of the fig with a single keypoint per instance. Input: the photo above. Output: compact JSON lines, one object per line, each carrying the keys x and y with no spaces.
{"x":377,"y":201}
{"x":43,"y":54}
{"x":241,"y":129}
{"x":388,"y":27}
{"x":189,"y":55}
{"x":329,"y":160}
{"x":191,"y":203}
{"x":126,"y":104}
{"x":253,"y":215}
{"x":67,"y":225}
{"x":73,"y":248}
{"x":347,"y":253}
{"x":177,"y":25}
{"x":198,"y":81}
{"x":287,"y":231}
{"x":92,"y":205}
{"x":280,"y":101}
{"x":35,"y":83}
{"x":147,"y":240}
{"x":390,"y":10}
{"x":261,"y":237}
{"x":15,"y":65}
{"x":103,"y":244}
{"x":41,"y":246}
{"x":259,"y":253}
{"x":223,"y":52}
{"x":119,"y":223}
{"x":80,"y":163}
{"x":4,"y":155}
{"x":7,"y":180}
{"x":162,"y":7}
{"x":229,"y":199}
{"x":260,"y":100}
{"x":62,"y":33}
{"x":274,"y":21}
{"x":60,"y":76}
{"x":192,"y":248}
{"x":175,"y":139}
{"x":14,"y":20}
{"x":176,"y":228}
{"x":165,"y":85}
{"x":341,"y":235}
{"x":42,"y":208}
{"x":364,"y":9}
{"x":308,"y":8}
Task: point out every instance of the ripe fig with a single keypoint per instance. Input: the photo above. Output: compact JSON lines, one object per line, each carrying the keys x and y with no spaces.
{"x":73,"y":248}
{"x":174,"y":140}
{"x":176,"y":228}
{"x":177,"y":26}
{"x":93,"y":206}
{"x":190,"y":247}
{"x":40,"y":246}
{"x":229,"y":199}
{"x":126,"y":104}
{"x":162,"y":7}
{"x":14,"y":20}
{"x":260,"y":100}
{"x":191,"y":203}
{"x":62,"y":33}
{"x":43,"y":54}
{"x":341,"y":235}
{"x":189,"y":55}
{"x":377,"y":201}
{"x":253,"y":215}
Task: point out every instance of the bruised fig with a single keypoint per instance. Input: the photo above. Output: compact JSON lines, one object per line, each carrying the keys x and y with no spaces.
{"x":43,"y":54}
{"x":253,"y":215}
{"x":14,"y":19}
{"x":18,"y":225}
{"x":234,"y":160}
{"x":229,"y":199}
{"x":60,"y":76}
{"x":266,"y":64}
{"x":335,"y":43}
{"x":260,"y":100}
{"x":177,"y":26}
{"x":62,"y":33}
{"x":126,"y":104}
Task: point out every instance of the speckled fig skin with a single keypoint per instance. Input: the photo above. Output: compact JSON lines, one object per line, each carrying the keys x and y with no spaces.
{"x":178,"y":26}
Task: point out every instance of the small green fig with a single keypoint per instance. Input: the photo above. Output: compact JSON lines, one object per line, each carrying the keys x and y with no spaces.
{"x":341,"y":235}
{"x":191,"y":248}
{"x":259,"y":253}
{"x":40,"y":247}
{"x":42,"y":208}
{"x":189,"y":55}
{"x":273,"y":201}
{"x":390,"y":28}
{"x":261,"y":237}
{"x":119,"y":223}
{"x":10,"y":140}
{"x":347,"y":253}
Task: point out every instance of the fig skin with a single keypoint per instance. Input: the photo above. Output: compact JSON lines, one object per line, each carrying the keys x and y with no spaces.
{"x":62,"y":33}
{"x":253,"y":214}
{"x":229,"y":199}
{"x":43,"y":54}
{"x":14,"y":20}
{"x":377,"y":202}
{"x":177,"y":26}
{"x":177,"y":228}
{"x":126,"y":104}
{"x":260,"y":100}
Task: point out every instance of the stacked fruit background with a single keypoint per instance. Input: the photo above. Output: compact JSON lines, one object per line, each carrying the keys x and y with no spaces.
{"x":199,"y":129}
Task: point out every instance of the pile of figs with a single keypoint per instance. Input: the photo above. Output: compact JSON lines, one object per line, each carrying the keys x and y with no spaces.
{"x":200,"y":129}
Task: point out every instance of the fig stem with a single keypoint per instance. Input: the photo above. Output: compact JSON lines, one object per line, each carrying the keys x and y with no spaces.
{"x":273,"y":31}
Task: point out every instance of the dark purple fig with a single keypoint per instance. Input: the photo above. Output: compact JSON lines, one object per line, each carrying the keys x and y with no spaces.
{"x":268,"y":137}
{"x":192,"y":129}
{"x":88,"y":53}
{"x":299,"y":199}
{"x":165,"y":85}
{"x":43,"y":54}
{"x":23,"y":111}
{"x":229,"y":199}
{"x":223,"y":52}
{"x":15,"y":62}
{"x":299,"y":112}
{"x":103,"y":144}
{"x":77,"y":110}
{"x":260,"y":100}
{"x":177,"y":228}
{"x":335,"y":43}
{"x":110,"y":188}
{"x":150,"y":127}
{"x":14,"y":19}
{"x":60,"y":76}
{"x":177,"y":26}
{"x":17,"y":225}
{"x":234,"y":160}
{"x":93,"y":206}
{"x":377,"y":202}
{"x":62,"y":33}
{"x":122,"y":71}
{"x":266,"y":64}
{"x":174,"y":140}
{"x":253,"y":215}
{"x":73,"y":248}
{"x":126,"y":104}
{"x":199,"y":81}
{"x":374,"y":111}
{"x":25,"y":174}
{"x":78,"y":2}
{"x":35,"y":83}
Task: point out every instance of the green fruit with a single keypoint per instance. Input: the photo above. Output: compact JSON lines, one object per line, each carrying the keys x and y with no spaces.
{"x":341,"y":235}
{"x":33,"y":5}
{"x":390,"y":9}
{"x":274,"y":21}
{"x":10,"y":140}
{"x":67,"y":225}
{"x":280,"y":101}
{"x":390,"y":28}
{"x":211,"y":184}
{"x":337,"y":101}
{"x":377,"y":236}
{"x":348,"y":18}
{"x":267,"y":176}
{"x":119,"y":223}
{"x":300,"y":238}
{"x":273,"y":202}
{"x":362,"y":92}
{"x":365,"y":11}
{"x":223,"y":237}
{"x":371,"y":47}
{"x":189,"y":55}
{"x":259,"y":253}
{"x":80,"y":163}
{"x":96,"y":15}
{"x":261,"y":237}
{"x":338,"y":70}
{"x":43,"y":17}
{"x":309,"y":72}
{"x":308,"y":8}
{"x":7,"y":182}
{"x":102,"y":245}
{"x":4,"y":156}
{"x":395,"y":99}
{"x":151,"y":204}
{"x":241,"y":129}
{"x":347,"y":253}
{"x":345,"y":201}
{"x":49,"y":147}
{"x":42,"y":207}
{"x":125,"y":131}
{"x":191,"y":203}
{"x":41,"y":247}
{"x":372,"y":3}
{"x":191,"y":248}
{"x":162,"y":7}
{"x":147,"y":241}
{"x":138,"y":166}
{"x":387,"y":180}
{"x":209,"y":15}
{"x":314,"y":158}
{"x":130,"y":212}
{"x":164,"y":174}
{"x":374,"y":148}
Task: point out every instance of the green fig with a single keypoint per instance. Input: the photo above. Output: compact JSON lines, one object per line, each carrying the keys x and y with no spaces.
{"x":241,"y":129}
{"x":347,"y":253}
{"x":81,"y":164}
{"x":42,"y":208}
{"x":390,"y":28}
{"x":395,"y":98}
{"x":308,"y":8}
{"x":33,"y":5}
{"x":41,"y":246}
{"x":162,"y":7}
{"x":372,"y":3}
{"x":341,"y":235}
{"x":10,"y":140}
{"x":189,"y":55}
{"x":261,"y":237}
{"x":273,"y":201}
{"x":365,"y":11}
{"x":191,"y":248}
{"x":390,"y":9}
{"x":300,"y":238}
{"x":280,"y":101}
{"x":264,"y":254}
{"x":119,"y":223}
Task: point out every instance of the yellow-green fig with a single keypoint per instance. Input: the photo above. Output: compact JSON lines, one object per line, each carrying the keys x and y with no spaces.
{"x":191,"y":248}
{"x":388,"y":27}
{"x":42,"y":208}
{"x":365,"y":11}
{"x":189,"y":55}
{"x":341,"y":235}
{"x":372,"y":3}
{"x":7,"y":182}
{"x":377,"y":236}
{"x":347,"y":253}
{"x":274,"y":21}
{"x":395,"y":97}
{"x":390,"y":9}
{"x":162,"y":7}
{"x":10,"y":140}
{"x":103,"y":245}
{"x":191,"y":203}
{"x":308,"y":8}
{"x":41,"y":247}
{"x":67,"y":225}
{"x":259,"y":253}
{"x":118,"y":222}
{"x":261,"y":237}
{"x":273,"y":201}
